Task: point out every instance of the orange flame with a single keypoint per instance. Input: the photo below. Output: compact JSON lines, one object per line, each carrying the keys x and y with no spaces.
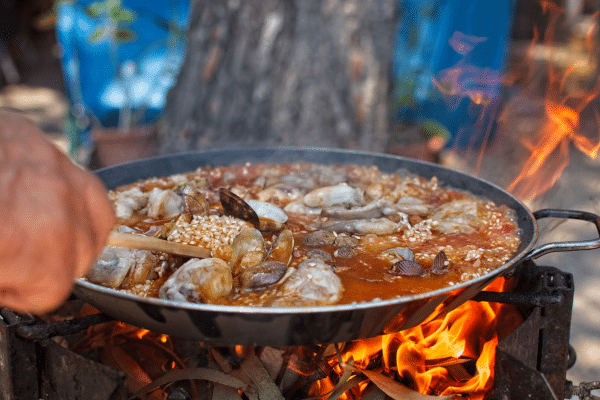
{"x":550,"y":151}
{"x":431,"y":357}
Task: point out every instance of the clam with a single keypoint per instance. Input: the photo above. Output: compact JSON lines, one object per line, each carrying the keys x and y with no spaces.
{"x":440,"y":264}
{"x":248,"y":249}
{"x":319,"y":254}
{"x":407,"y":268}
{"x":118,"y":266}
{"x":194,"y":202}
{"x":396,"y":254}
{"x":195,"y":205}
{"x":282,"y":248}
{"x":344,"y":252}
{"x":199,"y":280}
{"x":319,"y":238}
{"x":261,"y":275}
{"x":345,"y":241}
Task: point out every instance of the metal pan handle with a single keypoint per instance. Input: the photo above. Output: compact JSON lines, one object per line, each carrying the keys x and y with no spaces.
{"x":566,"y":246}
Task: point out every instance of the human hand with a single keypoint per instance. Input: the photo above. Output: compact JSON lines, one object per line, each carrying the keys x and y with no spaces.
{"x":54,"y":219}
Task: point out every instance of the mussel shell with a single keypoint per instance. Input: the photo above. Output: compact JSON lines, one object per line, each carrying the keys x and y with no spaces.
{"x":440,"y":264}
{"x":261,"y":275}
{"x":235,"y":206}
{"x":407,"y":268}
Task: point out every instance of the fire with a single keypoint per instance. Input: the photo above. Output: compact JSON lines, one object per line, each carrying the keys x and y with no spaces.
{"x":142,"y":354}
{"x":561,"y":126}
{"x":565,"y":96}
{"x":450,"y":355}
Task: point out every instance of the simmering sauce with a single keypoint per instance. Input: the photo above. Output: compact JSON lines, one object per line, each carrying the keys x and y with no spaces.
{"x":370,"y":235}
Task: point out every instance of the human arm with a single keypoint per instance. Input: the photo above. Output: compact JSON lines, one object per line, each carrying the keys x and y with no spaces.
{"x":54,"y":218}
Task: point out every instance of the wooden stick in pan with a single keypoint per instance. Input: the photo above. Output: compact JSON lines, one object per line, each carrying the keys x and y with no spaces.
{"x":133,"y":241}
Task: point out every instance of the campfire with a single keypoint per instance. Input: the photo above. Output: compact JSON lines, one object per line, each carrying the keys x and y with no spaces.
{"x":452,"y":355}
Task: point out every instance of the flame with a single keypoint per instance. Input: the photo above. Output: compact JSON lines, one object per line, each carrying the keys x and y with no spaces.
{"x":449,"y":355}
{"x":142,"y":354}
{"x":549,"y":152}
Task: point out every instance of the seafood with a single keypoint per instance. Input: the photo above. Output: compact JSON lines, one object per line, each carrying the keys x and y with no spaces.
{"x":345,"y":241}
{"x":253,"y":266}
{"x":378,"y":226}
{"x":298,"y":207}
{"x":440,"y":264}
{"x":375,"y":209}
{"x":398,"y":254}
{"x":235,"y":206}
{"x":261,"y":275}
{"x":117,"y":266}
{"x":456,"y":216}
{"x":338,"y":195}
{"x":314,"y":282}
{"x":320,"y":254}
{"x":344,"y":252}
{"x":282,"y":248}
{"x":199,"y":280}
{"x":164,"y":204}
{"x":319,"y":238}
{"x":412,"y":206}
{"x":305,"y":234}
{"x":248,"y":249}
{"x":280,"y":193}
{"x":128,"y":201}
{"x":270,"y":217}
{"x":407,"y":268}
{"x":265,"y":216}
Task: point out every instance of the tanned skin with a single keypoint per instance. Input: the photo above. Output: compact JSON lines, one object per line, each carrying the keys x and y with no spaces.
{"x":54,"y":218}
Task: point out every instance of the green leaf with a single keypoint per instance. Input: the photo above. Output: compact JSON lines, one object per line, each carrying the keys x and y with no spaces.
{"x":125,"y":35}
{"x":97,"y":35}
{"x":124,"y":15}
{"x":95,"y":9}
{"x":113,"y":5}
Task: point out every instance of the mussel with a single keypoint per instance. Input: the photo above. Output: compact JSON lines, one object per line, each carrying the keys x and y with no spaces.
{"x":266,"y":217}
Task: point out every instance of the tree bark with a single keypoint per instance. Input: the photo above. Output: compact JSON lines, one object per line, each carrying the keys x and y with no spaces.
{"x":283,"y":73}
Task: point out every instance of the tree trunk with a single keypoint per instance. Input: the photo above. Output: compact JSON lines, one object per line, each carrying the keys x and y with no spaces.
{"x":283,"y":73}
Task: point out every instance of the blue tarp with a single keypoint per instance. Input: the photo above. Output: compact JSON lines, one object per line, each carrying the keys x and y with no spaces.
{"x":436,"y":38}
{"x":120,"y":57}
